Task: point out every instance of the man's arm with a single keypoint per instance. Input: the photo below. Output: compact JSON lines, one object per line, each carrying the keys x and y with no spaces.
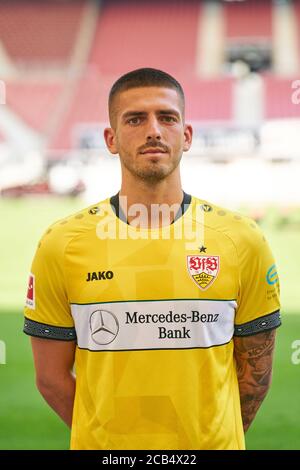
{"x":55,"y":381}
{"x":254,"y":357}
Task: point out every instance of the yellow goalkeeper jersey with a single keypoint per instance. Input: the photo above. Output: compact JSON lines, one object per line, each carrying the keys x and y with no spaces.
{"x":153,"y":313}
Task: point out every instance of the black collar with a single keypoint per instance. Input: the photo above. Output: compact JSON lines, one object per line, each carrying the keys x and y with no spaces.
{"x":114,"y":201}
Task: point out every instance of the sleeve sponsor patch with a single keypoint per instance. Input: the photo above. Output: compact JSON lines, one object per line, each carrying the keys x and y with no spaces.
{"x":30,"y":299}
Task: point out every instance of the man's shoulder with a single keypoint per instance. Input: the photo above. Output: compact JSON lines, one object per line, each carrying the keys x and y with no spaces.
{"x":60,"y":232}
{"x":240,"y":228}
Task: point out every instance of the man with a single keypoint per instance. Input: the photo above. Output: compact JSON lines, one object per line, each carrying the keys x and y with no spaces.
{"x":169,"y":315}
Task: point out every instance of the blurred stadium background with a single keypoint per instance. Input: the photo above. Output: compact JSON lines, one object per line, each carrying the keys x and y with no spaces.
{"x":239,"y":63}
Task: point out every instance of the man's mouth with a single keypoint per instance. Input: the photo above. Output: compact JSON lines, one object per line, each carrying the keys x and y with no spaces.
{"x":153,"y":151}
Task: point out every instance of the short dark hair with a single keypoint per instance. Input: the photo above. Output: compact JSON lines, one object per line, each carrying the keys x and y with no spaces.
{"x":145,"y":77}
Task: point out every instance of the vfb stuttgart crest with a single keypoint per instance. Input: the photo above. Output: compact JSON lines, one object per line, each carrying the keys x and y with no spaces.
{"x":203,"y":269}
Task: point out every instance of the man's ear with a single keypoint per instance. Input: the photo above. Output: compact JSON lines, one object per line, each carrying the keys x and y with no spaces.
{"x":188,"y":137}
{"x":110,"y":139}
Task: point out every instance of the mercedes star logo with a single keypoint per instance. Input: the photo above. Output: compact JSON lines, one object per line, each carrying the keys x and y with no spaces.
{"x":104,"y":326}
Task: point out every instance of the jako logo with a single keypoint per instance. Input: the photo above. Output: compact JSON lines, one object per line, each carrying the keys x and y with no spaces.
{"x":296,"y":354}
{"x":99,"y":275}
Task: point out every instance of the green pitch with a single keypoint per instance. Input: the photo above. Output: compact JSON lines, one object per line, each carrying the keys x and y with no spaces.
{"x":26,"y":422}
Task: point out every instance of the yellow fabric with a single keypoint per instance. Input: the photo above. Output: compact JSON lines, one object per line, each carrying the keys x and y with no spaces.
{"x":170,"y":398}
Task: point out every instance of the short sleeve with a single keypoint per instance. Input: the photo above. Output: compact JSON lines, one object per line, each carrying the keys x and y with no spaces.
{"x":258,"y":300}
{"x":47,"y":312}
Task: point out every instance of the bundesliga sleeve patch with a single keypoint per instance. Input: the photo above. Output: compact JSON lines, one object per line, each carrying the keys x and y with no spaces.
{"x":30,"y":299}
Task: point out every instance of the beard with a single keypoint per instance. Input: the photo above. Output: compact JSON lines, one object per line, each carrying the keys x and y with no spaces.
{"x":152,"y":171}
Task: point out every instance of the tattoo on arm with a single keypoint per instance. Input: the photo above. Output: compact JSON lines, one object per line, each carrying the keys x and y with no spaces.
{"x":254,"y":356}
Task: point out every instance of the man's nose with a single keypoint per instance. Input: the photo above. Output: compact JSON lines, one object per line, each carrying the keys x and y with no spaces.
{"x":153,"y":129}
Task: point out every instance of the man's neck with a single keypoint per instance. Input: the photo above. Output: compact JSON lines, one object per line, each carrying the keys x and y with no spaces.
{"x":145,"y":199}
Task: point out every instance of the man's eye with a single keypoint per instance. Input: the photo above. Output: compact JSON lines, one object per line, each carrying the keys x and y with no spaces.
{"x":134,"y":120}
{"x":169,"y":118}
